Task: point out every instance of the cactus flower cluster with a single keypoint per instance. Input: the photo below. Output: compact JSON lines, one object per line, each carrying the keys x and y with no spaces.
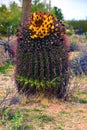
{"x":41,"y":25}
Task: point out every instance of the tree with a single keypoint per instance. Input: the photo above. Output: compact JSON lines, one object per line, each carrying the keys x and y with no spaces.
{"x":9,"y":17}
{"x":38,"y":6}
{"x":15,"y":15}
{"x":4,"y":16}
{"x":26,"y":8}
{"x":78,"y":25}
{"x":58,"y":13}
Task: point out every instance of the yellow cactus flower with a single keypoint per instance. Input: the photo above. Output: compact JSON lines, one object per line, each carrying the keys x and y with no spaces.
{"x":41,"y":25}
{"x":32,"y":36}
{"x":52,"y":27}
{"x":57,"y":25}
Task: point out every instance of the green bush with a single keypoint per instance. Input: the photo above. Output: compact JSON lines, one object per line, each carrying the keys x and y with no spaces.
{"x":3,"y":69}
{"x":42,"y":56}
{"x":12,"y":119}
{"x":69,"y":32}
{"x":85,"y":35}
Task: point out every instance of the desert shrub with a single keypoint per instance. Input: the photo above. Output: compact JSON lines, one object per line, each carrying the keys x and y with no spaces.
{"x":83,"y":62}
{"x":69,"y":32}
{"x":74,"y":47}
{"x":42,"y":56}
{"x":75,"y":66}
{"x":79,"y":65}
{"x":74,"y":40}
{"x":85,"y":35}
{"x":3,"y":69}
{"x":13,"y":119}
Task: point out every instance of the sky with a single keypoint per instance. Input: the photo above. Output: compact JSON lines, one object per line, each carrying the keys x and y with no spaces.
{"x":71,"y":9}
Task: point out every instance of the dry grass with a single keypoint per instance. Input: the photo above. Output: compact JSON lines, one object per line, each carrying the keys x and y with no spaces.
{"x":50,"y":114}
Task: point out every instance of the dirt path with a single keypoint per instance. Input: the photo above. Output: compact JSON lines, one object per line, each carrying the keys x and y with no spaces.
{"x":6,"y":85}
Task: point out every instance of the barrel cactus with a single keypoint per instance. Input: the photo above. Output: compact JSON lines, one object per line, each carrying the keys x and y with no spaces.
{"x":42,"y":56}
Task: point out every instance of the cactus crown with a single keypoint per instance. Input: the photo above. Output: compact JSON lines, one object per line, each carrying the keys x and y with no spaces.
{"x":41,"y":25}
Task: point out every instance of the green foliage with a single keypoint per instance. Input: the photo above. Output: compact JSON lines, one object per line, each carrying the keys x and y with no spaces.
{"x":9,"y":17}
{"x":13,"y":119}
{"x":69,"y":32}
{"x":80,"y":96}
{"x":3,"y":69}
{"x":59,"y":127}
{"x":79,"y":25}
{"x":38,"y":85}
{"x":41,"y":118}
{"x":63,"y":112}
{"x":74,"y":39}
{"x":29,"y":127}
{"x":58,"y":13}
{"x":15,"y":15}
{"x":22,"y":118}
{"x":74,"y":43}
{"x":4,"y":16}
{"x":45,"y":118}
{"x":38,"y":6}
{"x":85,"y":34}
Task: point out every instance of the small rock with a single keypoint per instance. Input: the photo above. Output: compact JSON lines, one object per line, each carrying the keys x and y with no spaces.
{"x":14,"y":100}
{"x":45,"y":102}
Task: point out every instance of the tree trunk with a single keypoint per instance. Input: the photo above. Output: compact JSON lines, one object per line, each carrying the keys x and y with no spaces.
{"x":26,"y":8}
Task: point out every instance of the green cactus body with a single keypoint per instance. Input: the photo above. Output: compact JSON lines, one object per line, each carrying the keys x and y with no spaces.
{"x":42,"y":57}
